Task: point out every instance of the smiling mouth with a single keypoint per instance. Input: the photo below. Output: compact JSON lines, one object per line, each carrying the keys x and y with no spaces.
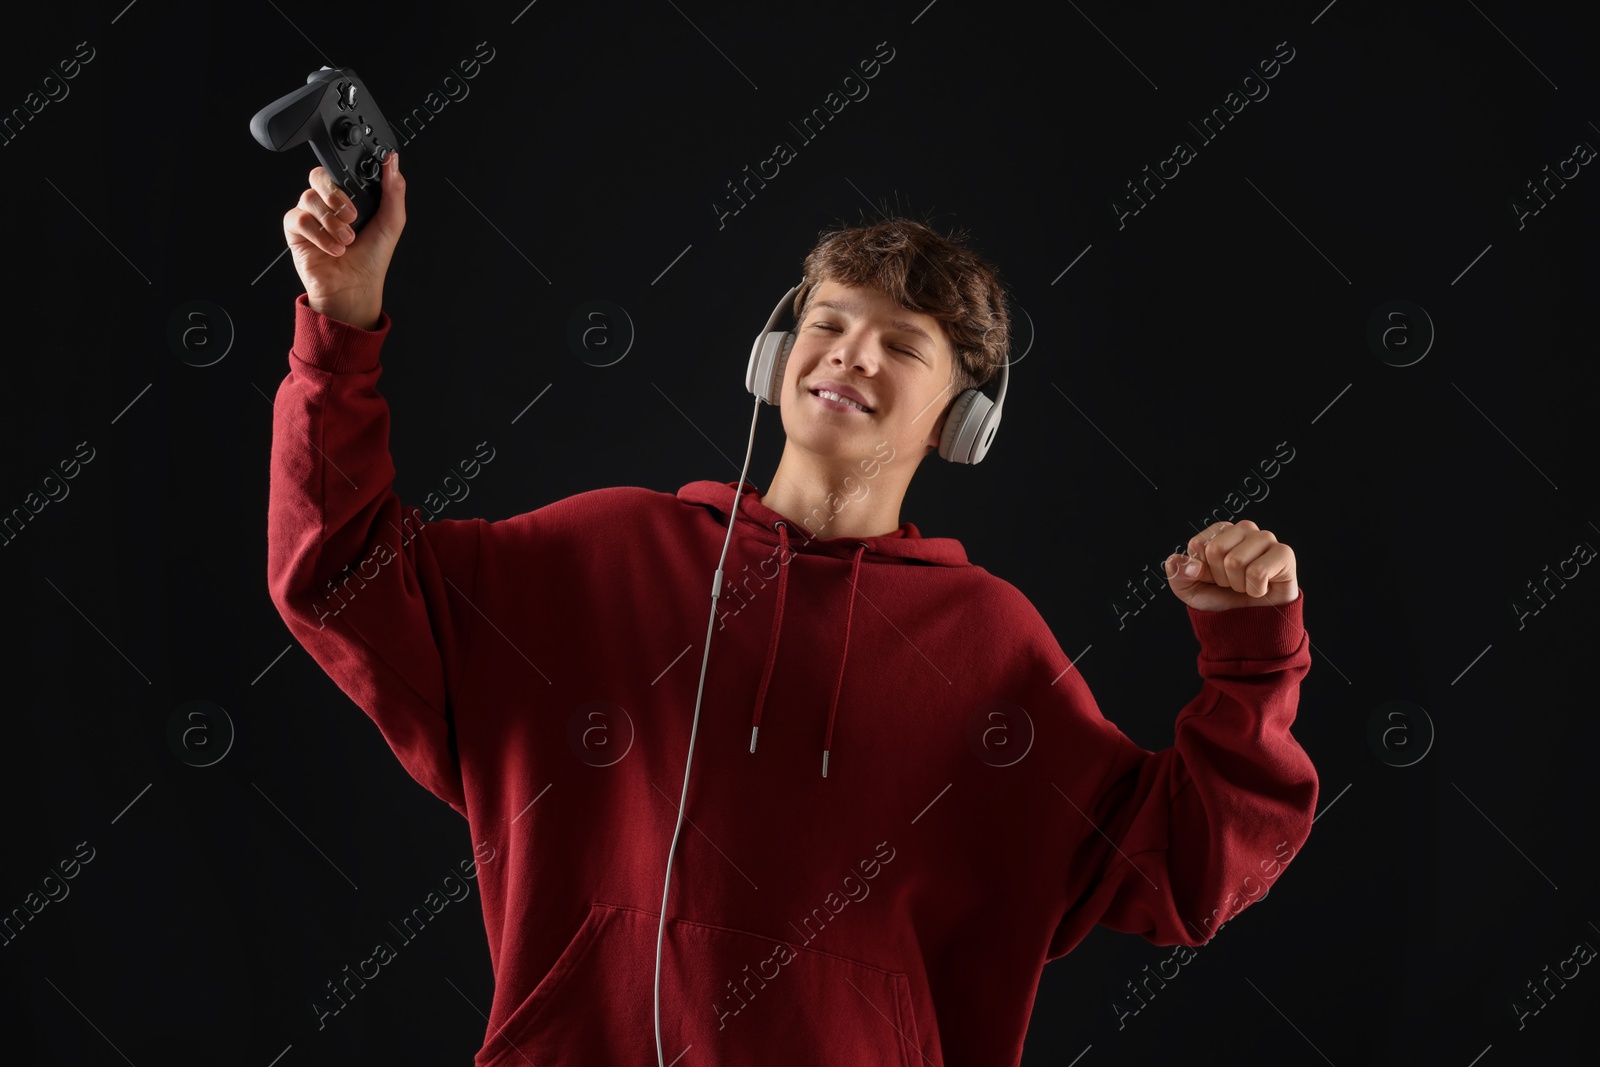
{"x":839,"y":405}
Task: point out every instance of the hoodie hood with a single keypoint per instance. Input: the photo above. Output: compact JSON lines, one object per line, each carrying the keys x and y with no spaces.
{"x":760,"y":528}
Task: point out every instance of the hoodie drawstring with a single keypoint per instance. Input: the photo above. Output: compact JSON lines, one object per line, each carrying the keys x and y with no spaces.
{"x":777,"y":627}
{"x":838,"y":686}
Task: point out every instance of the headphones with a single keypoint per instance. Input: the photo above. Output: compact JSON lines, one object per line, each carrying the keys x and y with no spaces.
{"x":967,"y":433}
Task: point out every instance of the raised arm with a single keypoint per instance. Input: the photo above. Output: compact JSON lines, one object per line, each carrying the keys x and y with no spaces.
{"x":1203,"y":829}
{"x":378,"y":596}
{"x":1187,"y":837}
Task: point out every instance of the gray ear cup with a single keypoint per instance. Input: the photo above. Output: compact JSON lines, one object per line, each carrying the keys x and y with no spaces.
{"x":775,"y":391}
{"x":967,"y":419}
{"x":764,"y":377}
{"x":971,"y":425}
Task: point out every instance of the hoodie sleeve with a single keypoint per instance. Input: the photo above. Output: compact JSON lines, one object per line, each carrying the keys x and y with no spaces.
{"x":379,"y":596}
{"x":1202,"y":829}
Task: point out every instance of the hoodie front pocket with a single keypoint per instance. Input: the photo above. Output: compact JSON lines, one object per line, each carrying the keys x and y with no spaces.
{"x":585,"y":1010}
{"x":746,"y":998}
{"x":727,"y":997}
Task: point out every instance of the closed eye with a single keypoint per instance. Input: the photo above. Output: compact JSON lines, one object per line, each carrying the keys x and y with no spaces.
{"x":898,"y":348}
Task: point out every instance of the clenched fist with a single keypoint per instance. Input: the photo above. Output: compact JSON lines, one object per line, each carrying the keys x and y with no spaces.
{"x":1233,"y":565}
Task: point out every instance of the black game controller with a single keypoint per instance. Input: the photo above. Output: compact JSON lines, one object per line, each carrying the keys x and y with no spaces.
{"x":346,"y":130}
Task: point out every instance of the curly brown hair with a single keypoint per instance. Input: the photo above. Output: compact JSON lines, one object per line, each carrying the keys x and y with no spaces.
{"x":921,"y":270}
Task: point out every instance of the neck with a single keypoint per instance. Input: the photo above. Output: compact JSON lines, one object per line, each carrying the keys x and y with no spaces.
{"x":832,"y":497}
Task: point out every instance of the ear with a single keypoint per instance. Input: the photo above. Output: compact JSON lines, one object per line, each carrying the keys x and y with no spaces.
{"x":937,"y":432}
{"x":944,"y":415}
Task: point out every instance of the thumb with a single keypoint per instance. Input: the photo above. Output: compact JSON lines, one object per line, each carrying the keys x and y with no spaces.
{"x":1176,"y":567}
{"x":391,"y":214}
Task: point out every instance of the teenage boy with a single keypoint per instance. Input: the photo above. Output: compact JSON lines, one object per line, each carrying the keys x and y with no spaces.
{"x":905,"y":800}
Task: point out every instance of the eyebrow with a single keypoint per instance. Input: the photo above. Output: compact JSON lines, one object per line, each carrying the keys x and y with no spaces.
{"x":899,"y":324}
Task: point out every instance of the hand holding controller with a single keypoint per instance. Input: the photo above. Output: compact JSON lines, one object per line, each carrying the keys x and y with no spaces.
{"x":347,"y":132}
{"x":343,"y":274}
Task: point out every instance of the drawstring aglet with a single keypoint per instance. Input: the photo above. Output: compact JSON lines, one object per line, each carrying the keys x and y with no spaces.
{"x":824,"y":763}
{"x":753,"y":731}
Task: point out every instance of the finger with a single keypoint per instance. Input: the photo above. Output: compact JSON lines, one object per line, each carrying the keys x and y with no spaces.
{"x":310,"y":220}
{"x":314,"y":205}
{"x":1204,"y":536}
{"x":1210,"y":566}
{"x":391,"y":213}
{"x":1217,"y":541}
{"x":1250,"y":563}
{"x":1221,"y":529}
{"x":1275,"y":564}
{"x":1174,"y":567}
{"x":1231,"y":563}
{"x":334,"y":199}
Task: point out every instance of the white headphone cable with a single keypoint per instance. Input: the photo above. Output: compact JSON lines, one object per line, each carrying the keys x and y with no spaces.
{"x":716,"y":588}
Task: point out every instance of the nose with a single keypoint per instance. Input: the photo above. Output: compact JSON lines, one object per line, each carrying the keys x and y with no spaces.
{"x":853,"y":349}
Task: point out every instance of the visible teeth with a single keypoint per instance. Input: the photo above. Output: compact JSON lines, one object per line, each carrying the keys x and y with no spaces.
{"x":840,"y":399}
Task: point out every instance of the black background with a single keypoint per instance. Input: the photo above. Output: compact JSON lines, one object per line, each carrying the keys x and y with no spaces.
{"x":1179,"y":349}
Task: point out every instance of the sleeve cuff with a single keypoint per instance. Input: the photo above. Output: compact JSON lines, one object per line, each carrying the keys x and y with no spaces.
{"x":1265,"y":632}
{"x":335,"y":346}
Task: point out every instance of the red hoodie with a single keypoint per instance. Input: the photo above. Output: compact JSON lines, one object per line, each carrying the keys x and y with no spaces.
{"x":978,"y":814}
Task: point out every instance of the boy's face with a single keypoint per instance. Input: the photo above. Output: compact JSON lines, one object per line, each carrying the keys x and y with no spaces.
{"x":898,"y":361}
